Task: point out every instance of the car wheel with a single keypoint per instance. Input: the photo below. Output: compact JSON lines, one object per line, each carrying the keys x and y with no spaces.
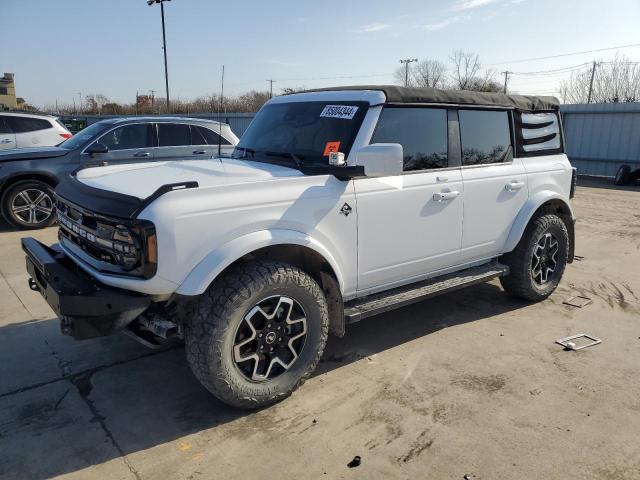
{"x":622,"y":175}
{"x":257,"y":333}
{"x":538,"y":261}
{"x":29,"y":205}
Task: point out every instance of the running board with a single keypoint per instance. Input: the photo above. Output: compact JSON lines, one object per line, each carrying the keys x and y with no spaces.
{"x":377,"y":303}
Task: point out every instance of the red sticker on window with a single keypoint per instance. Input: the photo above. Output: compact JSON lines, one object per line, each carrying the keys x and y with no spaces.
{"x":331,"y":147}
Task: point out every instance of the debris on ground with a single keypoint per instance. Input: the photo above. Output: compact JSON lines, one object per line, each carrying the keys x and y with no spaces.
{"x":579,"y":258}
{"x":355,"y":462}
{"x":578,"y":301}
{"x":569,"y":344}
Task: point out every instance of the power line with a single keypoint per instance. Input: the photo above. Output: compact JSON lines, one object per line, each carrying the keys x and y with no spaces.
{"x":565,"y":54}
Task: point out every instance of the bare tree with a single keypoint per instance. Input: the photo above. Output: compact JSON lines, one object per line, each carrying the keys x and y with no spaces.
{"x":429,"y":73}
{"x":466,"y":67}
{"x":613,"y":82}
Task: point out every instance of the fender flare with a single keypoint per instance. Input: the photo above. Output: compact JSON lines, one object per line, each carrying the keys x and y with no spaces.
{"x":206,"y":271}
{"x":527,"y":211}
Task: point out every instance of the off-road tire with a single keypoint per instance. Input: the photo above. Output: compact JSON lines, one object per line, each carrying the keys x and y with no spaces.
{"x":520,"y":282}
{"x":623,"y":175}
{"x":213,"y":319}
{"x":9,"y":196}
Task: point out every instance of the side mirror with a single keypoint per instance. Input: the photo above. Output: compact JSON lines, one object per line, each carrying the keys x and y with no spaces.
{"x":97,"y":148}
{"x":381,"y":159}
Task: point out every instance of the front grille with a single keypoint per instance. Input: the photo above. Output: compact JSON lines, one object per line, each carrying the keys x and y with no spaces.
{"x":110,"y":245}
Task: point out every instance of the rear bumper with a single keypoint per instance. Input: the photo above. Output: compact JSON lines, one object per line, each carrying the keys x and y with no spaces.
{"x":86,"y":307}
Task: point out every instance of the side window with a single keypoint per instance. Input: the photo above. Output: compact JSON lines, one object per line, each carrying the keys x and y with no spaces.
{"x":205,"y":136}
{"x":538,"y":133}
{"x":23,"y":124}
{"x":173,"y":135}
{"x":127,"y":137}
{"x":4,"y":126}
{"x":422,"y":132}
{"x":485,"y":137}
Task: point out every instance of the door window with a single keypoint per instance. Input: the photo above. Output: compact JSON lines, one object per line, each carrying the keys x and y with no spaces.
{"x":4,"y":127}
{"x":422,"y":132}
{"x":485,"y":137}
{"x":127,"y":137}
{"x":205,"y":136}
{"x":173,"y":135}
{"x":23,"y":124}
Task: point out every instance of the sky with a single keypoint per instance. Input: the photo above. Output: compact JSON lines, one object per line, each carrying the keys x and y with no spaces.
{"x":60,"y":49}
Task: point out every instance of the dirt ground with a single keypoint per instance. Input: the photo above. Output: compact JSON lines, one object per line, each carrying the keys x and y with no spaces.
{"x":470,"y":383}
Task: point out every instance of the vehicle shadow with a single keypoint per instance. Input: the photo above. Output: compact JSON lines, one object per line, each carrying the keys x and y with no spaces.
{"x":150,"y":399}
{"x":604,"y":182}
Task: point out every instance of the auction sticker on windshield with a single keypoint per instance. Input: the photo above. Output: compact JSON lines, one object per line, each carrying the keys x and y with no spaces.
{"x":339,"y":111}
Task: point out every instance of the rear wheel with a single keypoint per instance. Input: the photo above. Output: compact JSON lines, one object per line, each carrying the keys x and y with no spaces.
{"x":29,"y":205}
{"x":623,"y":175}
{"x":257,"y":333}
{"x":539,"y":259}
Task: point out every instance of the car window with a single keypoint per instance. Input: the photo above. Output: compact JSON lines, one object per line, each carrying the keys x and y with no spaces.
{"x":173,"y":135}
{"x":485,"y":137}
{"x":127,"y":137}
{"x":24,"y":124}
{"x":206,"y":136}
{"x":4,"y":126}
{"x":84,"y":135}
{"x":422,"y":132}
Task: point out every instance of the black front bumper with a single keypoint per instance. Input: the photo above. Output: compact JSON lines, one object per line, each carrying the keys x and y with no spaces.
{"x":86,"y":307}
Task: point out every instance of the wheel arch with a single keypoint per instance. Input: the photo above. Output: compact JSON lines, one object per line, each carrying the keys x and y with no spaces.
{"x":542,"y":202}
{"x":292,"y":247}
{"x":12,"y":179}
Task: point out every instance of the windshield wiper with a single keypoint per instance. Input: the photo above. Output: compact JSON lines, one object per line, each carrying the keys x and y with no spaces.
{"x":299,"y":162}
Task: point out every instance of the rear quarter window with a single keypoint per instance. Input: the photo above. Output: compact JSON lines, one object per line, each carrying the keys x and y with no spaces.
{"x":538,"y":133}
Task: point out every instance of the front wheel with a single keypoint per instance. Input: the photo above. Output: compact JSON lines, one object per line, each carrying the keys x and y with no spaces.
{"x":29,"y":205}
{"x":539,"y":259}
{"x":257,"y":333}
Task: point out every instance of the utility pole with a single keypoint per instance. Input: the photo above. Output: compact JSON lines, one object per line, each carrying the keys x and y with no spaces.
{"x":406,"y":62}
{"x":506,"y":79}
{"x":593,"y":74}
{"x":80,"y":95}
{"x":153,"y":99}
{"x":164,"y":47}
{"x":270,"y":80}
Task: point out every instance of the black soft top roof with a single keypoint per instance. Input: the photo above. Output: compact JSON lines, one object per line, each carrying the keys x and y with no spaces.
{"x":397,"y":94}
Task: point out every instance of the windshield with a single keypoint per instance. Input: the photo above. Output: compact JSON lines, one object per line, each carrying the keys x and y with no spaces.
{"x":301,"y":133}
{"x":83,"y":136}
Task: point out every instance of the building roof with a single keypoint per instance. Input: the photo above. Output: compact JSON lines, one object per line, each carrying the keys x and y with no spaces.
{"x":397,"y":94}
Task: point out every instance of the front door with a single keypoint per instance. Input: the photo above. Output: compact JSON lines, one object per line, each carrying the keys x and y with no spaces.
{"x":410,"y":226}
{"x":7,"y":137}
{"x":495,"y":183}
{"x":126,"y":144}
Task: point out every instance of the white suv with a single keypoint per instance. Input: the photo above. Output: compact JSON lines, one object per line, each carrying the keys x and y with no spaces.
{"x":24,"y":130}
{"x":336,"y":205}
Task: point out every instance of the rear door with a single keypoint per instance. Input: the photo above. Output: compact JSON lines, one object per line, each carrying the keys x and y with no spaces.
{"x":410,"y":226}
{"x":174,"y":142}
{"x":127,"y":143}
{"x":495,"y":183}
{"x":30,"y":132}
{"x":7,"y":137}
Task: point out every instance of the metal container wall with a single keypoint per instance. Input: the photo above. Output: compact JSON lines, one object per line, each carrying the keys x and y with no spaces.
{"x":601,"y":137}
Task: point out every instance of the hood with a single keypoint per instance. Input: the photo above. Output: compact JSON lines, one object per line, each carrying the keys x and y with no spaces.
{"x":141,"y":180}
{"x":32,"y":153}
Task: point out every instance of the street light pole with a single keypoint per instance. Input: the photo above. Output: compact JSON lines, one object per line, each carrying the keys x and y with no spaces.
{"x":406,"y":62}
{"x":164,"y":46}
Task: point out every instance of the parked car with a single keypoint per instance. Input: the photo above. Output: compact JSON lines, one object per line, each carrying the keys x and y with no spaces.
{"x":626,"y":176}
{"x":23,"y":130}
{"x":335,"y":206}
{"x":28,"y":176}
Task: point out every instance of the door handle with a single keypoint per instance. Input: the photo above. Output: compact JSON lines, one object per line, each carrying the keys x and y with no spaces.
{"x":199,"y":152}
{"x":445,"y":196}
{"x":442,"y":179}
{"x":141,"y":154}
{"x":513,"y":186}
{"x":5,"y":140}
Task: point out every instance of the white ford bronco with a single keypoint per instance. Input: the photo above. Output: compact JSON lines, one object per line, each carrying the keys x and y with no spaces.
{"x":336,"y":205}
